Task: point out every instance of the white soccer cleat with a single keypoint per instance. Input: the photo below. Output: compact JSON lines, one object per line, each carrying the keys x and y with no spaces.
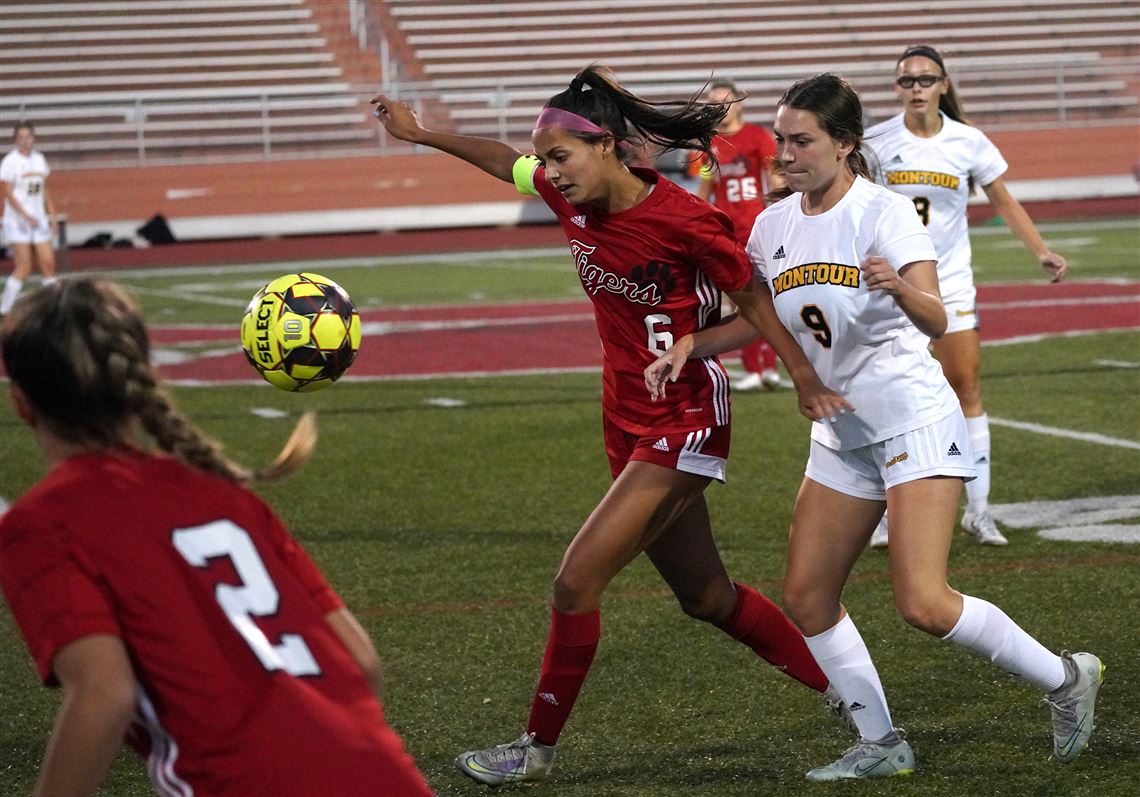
{"x":885,"y":758}
{"x":1072,"y":705}
{"x":750,"y":381}
{"x":521,"y":761}
{"x":770,"y":378}
{"x":879,"y":535}
{"x":982,"y":528}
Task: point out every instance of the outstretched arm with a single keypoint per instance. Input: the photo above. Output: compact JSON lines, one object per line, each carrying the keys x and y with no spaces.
{"x":352,"y":634}
{"x":1018,"y":220}
{"x":490,"y":155}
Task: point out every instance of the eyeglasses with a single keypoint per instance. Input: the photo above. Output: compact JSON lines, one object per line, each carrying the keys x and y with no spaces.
{"x":926,"y":81}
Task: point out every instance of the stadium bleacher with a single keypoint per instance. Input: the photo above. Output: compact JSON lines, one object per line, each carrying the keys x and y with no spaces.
{"x":161,"y":80}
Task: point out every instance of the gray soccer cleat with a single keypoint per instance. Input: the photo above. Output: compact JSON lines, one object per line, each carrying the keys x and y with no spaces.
{"x":837,"y":708}
{"x":521,"y":761}
{"x":885,"y":758}
{"x":983,"y":528}
{"x":1072,"y":705}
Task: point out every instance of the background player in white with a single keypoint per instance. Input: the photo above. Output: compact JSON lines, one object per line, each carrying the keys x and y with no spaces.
{"x":931,"y":154}
{"x":29,"y":216}
{"x":861,"y":306}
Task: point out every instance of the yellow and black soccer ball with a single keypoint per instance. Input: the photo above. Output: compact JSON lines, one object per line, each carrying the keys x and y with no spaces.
{"x":301,"y":332}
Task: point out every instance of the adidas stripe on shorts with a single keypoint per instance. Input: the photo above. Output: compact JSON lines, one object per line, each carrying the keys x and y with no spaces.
{"x":938,"y":449}
{"x":703,"y":452}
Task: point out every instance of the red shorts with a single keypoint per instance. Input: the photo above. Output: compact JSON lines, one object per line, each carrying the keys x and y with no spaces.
{"x":701,"y":451}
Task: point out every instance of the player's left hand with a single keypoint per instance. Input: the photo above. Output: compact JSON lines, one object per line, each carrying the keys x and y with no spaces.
{"x":667,"y":367}
{"x":1055,"y":265}
{"x":878,"y":275}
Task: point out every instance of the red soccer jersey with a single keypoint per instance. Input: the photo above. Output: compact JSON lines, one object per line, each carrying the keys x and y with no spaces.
{"x":243,"y":687}
{"x":742,"y":181}
{"x":654,"y":273}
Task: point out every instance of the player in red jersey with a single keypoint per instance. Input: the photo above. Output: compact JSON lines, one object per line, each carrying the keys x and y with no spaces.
{"x":746,"y":154}
{"x":653,"y":259}
{"x":165,"y":598}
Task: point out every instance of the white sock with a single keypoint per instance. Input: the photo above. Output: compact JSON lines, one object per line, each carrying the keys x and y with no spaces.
{"x":978,"y":490}
{"x":843,"y":657}
{"x":11,"y":290}
{"x":988,"y":631}
{"x":50,"y":280}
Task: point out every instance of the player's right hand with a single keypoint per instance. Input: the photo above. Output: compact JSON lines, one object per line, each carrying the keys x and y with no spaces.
{"x":398,"y":119}
{"x":667,"y":367}
{"x":820,"y":403}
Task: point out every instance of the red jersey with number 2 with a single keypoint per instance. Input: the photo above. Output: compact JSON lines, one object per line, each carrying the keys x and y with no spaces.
{"x":654,"y":273}
{"x":742,"y":181}
{"x":243,"y":687}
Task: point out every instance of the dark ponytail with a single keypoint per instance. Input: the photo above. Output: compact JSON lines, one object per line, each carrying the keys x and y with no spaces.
{"x":595,"y":94}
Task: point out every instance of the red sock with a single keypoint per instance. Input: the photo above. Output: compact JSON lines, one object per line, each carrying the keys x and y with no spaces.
{"x":569,"y":652}
{"x":750,"y":356}
{"x":759,"y":624}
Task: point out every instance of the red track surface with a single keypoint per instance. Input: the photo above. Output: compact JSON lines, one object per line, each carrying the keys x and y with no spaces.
{"x":560,"y":335}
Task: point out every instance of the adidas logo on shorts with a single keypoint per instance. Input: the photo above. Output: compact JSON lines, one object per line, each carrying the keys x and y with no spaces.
{"x":779,"y":253}
{"x":953,"y":452}
{"x":661,"y":445}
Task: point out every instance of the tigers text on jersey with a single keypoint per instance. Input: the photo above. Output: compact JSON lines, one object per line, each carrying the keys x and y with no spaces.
{"x":741,"y":182}
{"x":935,"y":174}
{"x":859,"y":341}
{"x":243,"y":686}
{"x":654,"y":273}
{"x":26,"y":174}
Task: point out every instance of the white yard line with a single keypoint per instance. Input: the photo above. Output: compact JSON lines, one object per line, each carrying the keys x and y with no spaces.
{"x":1052,"y":431}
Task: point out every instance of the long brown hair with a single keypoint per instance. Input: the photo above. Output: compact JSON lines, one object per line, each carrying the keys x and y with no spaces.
{"x":79,"y":352}
{"x":596,"y":94}
{"x":948,"y":103}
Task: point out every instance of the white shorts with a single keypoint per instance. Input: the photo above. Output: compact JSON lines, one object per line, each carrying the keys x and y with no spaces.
{"x":18,"y":231}
{"x":961,"y":309}
{"x":940,"y":449}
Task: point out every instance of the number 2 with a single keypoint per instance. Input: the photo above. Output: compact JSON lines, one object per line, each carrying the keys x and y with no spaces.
{"x":256,"y":596}
{"x":813,"y":317}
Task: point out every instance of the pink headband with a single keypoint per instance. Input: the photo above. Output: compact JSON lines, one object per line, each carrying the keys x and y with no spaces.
{"x":556,"y":117}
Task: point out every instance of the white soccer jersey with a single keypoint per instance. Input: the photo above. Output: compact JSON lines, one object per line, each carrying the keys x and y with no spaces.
{"x":860,"y":342}
{"x":935,"y":174}
{"x":27,"y":174}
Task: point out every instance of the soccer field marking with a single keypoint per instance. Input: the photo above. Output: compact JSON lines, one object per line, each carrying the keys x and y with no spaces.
{"x":167,"y":293}
{"x":397,"y":327}
{"x":1117,"y":363}
{"x":1038,"y":337}
{"x":1057,"y":302}
{"x":1053,"y":431}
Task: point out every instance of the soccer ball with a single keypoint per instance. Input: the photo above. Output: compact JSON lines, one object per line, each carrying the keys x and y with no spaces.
{"x":300,"y":332}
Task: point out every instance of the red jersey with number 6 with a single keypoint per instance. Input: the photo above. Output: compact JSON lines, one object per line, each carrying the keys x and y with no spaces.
{"x":243,"y":687}
{"x":654,"y":273}
{"x":742,"y":180}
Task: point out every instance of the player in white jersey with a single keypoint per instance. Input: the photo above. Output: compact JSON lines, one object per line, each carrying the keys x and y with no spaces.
{"x":29,"y":217}
{"x":932,"y":155}
{"x":854,"y":280}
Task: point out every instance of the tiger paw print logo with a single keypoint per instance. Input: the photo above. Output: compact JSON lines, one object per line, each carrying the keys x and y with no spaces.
{"x":651,"y":274}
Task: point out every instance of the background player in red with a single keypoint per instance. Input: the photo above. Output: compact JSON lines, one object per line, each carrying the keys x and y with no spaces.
{"x":653,"y":259}
{"x":746,"y":154}
{"x":165,"y":598}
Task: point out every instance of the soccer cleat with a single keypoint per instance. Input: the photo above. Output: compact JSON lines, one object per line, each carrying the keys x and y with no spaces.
{"x":885,"y":758}
{"x":879,"y":535}
{"x":521,"y":761}
{"x":835,"y":706}
{"x":983,"y":528}
{"x":770,"y":378}
{"x":750,"y":381}
{"x":1072,"y":705}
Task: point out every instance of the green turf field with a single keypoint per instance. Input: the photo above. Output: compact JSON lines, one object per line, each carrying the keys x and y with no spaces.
{"x":441,"y":528}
